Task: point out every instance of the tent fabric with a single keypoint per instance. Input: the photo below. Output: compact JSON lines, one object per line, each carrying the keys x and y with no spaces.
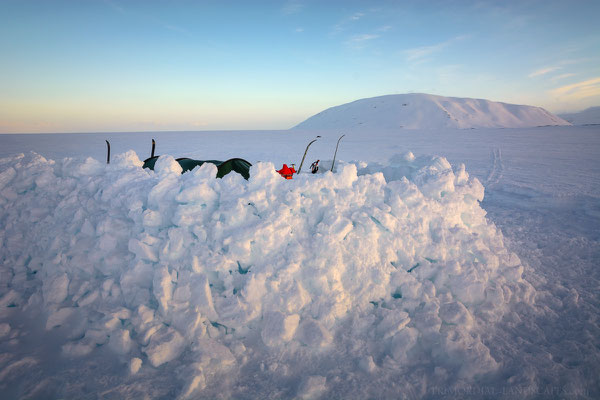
{"x":238,"y":165}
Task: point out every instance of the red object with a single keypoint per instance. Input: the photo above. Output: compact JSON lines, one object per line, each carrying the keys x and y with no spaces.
{"x":287,"y":172}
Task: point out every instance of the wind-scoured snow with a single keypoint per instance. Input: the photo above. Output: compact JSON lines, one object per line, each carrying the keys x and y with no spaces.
{"x":589,"y":116}
{"x":426,"y":111}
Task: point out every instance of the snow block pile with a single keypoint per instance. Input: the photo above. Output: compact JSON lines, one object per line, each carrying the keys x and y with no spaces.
{"x":388,"y":265}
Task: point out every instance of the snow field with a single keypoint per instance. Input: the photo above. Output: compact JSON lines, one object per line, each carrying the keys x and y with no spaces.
{"x":210,"y":275}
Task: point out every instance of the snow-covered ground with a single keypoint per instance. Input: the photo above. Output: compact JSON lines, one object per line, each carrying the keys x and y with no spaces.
{"x":427,"y":111}
{"x":393,"y":277}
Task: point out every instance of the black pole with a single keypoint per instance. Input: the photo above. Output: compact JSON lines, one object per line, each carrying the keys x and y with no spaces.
{"x":334,"y":154}
{"x":108,"y":152}
{"x":153,"y":147}
{"x":304,"y":156}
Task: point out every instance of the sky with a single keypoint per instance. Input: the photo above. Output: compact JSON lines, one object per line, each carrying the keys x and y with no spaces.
{"x":117,"y":65}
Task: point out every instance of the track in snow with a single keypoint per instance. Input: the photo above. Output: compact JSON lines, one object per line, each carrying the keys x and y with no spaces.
{"x":496,"y":170}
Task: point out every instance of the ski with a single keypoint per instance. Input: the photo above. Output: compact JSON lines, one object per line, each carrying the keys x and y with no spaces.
{"x":305,"y":151}
{"x":336,"y":149}
{"x":107,"y":152}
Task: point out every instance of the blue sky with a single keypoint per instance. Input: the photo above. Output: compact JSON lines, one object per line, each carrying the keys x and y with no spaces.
{"x":116,"y":65}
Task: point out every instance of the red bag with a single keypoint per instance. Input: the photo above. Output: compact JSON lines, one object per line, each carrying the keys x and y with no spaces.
{"x":287,"y":172}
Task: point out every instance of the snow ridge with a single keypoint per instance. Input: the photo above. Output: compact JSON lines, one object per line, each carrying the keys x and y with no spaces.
{"x":426,"y":111}
{"x":589,"y":116}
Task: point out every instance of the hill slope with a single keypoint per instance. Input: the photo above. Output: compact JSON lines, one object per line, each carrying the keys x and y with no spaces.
{"x":425,"y":111}
{"x":589,"y":116}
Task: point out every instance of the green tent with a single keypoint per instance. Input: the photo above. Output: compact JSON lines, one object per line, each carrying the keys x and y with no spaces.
{"x":238,"y":165}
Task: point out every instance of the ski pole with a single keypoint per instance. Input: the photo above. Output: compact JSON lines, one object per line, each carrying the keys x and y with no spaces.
{"x":334,"y":154}
{"x":305,"y":151}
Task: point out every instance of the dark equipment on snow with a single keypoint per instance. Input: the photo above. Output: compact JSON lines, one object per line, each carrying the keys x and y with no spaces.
{"x":304,"y":156}
{"x":334,"y":154}
{"x":108,"y":152}
{"x":238,"y":165}
{"x":314,"y":167}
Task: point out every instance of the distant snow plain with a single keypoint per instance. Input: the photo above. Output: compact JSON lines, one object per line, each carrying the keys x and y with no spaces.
{"x":400,"y":275}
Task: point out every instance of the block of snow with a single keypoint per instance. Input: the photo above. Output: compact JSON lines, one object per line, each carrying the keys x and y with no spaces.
{"x":11,"y":298}
{"x":16,"y":368}
{"x":166,"y":165}
{"x":120,"y":341}
{"x":97,"y":336}
{"x":134,"y":365}
{"x":162,"y":288}
{"x":143,"y":317}
{"x":4,"y":329}
{"x":142,"y":250}
{"x":127,"y":159}
{"x":195,"y":384}
{"x":201,"y":296}
{"x":202,"y":192}
{"x":78,"y":349}
{"x":392,"y":322}
{"x":312,"y":387}
{"x":89,"y":167}
{"x":59,"y":317}
{"x":7,"y":176}
{"x":278,"y":328}
{"x":55,"y":289}
{"x":456,"y":313}
{"x":403,"y":342}
{"x":212,"y":355}
{"x":166,"y":344}
{"x":312,"y":333}
{"x":367,"y":364}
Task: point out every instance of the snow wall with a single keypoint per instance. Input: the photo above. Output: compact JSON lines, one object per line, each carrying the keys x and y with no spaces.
{"x":376,"y":270}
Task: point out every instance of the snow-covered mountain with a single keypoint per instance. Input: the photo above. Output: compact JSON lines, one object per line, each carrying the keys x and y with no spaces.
{"x":426,"y":111}
{"x":589,"y":116}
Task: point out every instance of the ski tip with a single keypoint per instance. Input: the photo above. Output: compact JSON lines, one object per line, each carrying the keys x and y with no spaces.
{"x":107,"y":151}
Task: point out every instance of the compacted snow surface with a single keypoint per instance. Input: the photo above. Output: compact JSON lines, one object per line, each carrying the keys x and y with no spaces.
{"x":386,"y":278}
